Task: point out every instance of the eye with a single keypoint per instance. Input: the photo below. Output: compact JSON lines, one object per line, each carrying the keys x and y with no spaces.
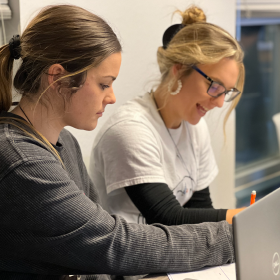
{"x":216,"y":88}
{"x":104,"y":86}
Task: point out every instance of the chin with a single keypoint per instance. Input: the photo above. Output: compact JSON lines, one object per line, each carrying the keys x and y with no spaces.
{"x":91,"y":127}
{"x":87,"y":127}
{"x":194,"y":121}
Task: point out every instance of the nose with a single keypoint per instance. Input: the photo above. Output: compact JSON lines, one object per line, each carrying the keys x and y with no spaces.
{"x":110,"y":98}
{"x":219,"y":101}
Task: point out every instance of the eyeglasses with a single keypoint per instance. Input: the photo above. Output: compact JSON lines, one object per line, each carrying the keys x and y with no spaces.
{"x":216,"y":89}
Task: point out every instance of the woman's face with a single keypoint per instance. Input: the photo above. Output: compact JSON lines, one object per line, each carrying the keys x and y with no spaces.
{"x":88,"y":104}
{"x":193,"y":101}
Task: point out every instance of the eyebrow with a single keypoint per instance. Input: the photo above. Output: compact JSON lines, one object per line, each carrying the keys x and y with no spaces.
{"x":220,"y":82}
{"x":112,"y":77}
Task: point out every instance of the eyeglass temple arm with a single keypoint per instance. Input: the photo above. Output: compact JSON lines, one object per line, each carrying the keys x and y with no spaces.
{"x":204,"y":75}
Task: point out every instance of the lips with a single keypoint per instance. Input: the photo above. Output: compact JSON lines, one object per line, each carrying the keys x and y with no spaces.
{"x":100,"y":114}
{"x":201,"y":109}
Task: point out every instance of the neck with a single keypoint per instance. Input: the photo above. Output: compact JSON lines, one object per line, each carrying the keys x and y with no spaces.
{"x":167,"y":110}
{"x":43,"y":119}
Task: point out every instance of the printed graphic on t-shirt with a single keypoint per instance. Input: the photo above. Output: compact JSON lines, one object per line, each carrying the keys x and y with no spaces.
{"x":184,"y":189}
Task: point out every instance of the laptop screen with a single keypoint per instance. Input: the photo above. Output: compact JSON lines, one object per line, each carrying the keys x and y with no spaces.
{"x":257,"y":239}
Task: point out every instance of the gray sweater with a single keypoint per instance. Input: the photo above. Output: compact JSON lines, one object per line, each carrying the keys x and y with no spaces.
{"x":52,"y":223}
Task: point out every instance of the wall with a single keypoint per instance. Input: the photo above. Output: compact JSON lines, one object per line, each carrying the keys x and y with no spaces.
{"x":140,"y":25}
{"x":12,"y":25}
{"x":260,"y":5}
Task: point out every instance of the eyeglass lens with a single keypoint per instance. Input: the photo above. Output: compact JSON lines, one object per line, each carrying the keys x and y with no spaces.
{"x":215,"y":89}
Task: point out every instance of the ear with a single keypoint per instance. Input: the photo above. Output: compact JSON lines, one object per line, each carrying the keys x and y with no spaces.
{"x":54,"y":73}
{"x":175,"y":69}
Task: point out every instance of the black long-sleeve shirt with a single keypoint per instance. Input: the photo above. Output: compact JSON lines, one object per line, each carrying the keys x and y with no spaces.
{"x":157,"y":204}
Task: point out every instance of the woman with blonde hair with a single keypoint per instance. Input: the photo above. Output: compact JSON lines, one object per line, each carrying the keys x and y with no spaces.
{"x":52,"y":224}
{"x":154,"y":157}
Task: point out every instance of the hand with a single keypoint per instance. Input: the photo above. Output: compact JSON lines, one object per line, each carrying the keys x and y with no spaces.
{"x":231,"y":213}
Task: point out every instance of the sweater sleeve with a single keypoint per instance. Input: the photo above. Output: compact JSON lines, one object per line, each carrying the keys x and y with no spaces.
{"x":49,"y":226}
{"x":157,"y":204}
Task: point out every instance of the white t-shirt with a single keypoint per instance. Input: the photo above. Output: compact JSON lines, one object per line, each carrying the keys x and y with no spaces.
{"x":134,"y":147}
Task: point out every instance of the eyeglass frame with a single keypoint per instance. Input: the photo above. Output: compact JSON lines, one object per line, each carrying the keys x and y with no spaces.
{"x":212,"y":81}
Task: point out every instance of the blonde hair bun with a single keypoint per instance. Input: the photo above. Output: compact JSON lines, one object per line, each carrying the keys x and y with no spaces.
{"x":192,"y":15}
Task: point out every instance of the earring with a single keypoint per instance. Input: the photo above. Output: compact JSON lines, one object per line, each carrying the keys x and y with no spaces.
{"x":177,"y":90}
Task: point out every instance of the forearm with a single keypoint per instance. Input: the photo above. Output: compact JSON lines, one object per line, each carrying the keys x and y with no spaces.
{"x":202,"y":199}
{"x":109,"y":245}
{"x":157,"y":204}
{"x":56,"y":229}
{"x":139,"y":249}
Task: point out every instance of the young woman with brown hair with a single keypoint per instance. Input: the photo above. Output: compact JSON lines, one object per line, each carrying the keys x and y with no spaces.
{"x":52,"y":224}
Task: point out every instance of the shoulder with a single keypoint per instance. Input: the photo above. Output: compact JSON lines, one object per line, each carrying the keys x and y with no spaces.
{"x":127,"y":135}
{"x":130,"y":120}
{"x":18,"y":147}
{"x":21,"y":143}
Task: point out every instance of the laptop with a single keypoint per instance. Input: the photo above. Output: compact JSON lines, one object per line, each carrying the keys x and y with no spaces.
{"x":257,"y":239}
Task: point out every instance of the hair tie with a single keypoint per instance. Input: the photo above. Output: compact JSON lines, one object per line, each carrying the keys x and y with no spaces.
{"x":170,"y":32}
{"x":14,"y":46}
